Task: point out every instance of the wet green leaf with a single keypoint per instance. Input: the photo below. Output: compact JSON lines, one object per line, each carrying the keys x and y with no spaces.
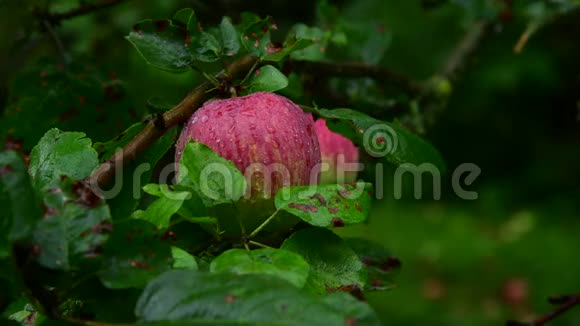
{"x":61,"y":154}
{"x":334,"y":266}
{"x":214,"y":179}
{"x":190,"y":297}
{"x":327,"y":205}
{"x":276,"y":262}
{"x":267,"y":79}
{"x":163,"y":44}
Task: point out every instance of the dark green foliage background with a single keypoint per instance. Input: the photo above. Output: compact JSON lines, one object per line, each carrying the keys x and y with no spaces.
{"x":515,"y":116}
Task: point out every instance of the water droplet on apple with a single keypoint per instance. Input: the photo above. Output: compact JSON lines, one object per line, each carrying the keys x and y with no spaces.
{"x":231,"y":129}
{"x":204,"y":118}
{"x":247,"y":111}
{"x":275,"y":144}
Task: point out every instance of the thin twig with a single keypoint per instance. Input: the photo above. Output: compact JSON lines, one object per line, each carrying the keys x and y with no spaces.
{"x":263,"y":225}
{"x":179,"y":114}
{"x":456,"y":61}
{"x":57,"y":41}
{"x":356,"y":69}
{"x":258,"y":244}
{"x":56,"y":18}
{"x":465,"y":48}
{"x":565,"y":303}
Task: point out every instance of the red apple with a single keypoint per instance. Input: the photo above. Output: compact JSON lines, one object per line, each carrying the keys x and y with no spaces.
{"x":269,"y":139}
{"x":337,"y":151}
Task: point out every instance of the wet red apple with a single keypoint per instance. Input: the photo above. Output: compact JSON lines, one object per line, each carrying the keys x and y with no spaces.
{"x":337,"y":153}
{"x":269,"y":139}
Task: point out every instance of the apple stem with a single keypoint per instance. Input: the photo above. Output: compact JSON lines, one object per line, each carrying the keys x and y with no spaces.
{"x":259,"y":228}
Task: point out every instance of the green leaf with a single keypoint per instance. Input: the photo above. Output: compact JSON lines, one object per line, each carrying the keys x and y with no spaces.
{"x":333,"y":264}
{"x":207,"y":48}
{"x":276,"y":262}
{"x":159,"y":213}
{"x":359,"y":312}
{"x":256,"y":34}
{"x":20,"y":205}
{"x":182,"y":259}
{"x":187,"y":17}
{"x":190,"y":207}
{"x":135,"y":253}
{"x":290,"y":46}
{"x":380,"y":264}
{"x":317,"y":37}
{"x":230,"y":37}
{"x":327,"y":205}
{"x":267,"y":79}
{"x":75,"y":226}
{"x":61,"y":154}
{"x":215,"y":179}
{"x":162,"y":44}
{"x":383,"y":140}
{"x":195,"y":297}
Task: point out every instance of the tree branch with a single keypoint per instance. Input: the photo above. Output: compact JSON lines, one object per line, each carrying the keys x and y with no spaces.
{"x":433,"y":97}
{"x":356,"y":69}
{"x":157,"y":126}
{"x":57,"y":42}
{"x":565,"y":303}
{"x":56,"y":18}
{"x":464,"y":49}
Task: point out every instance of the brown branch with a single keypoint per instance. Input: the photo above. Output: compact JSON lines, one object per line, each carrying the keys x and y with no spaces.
{"x":161,"y":123}
{"x":56,"y":18}
{"x":431,"y":98}
{"x":565,"y":303}
{"x":464,"y":49}
{"x":356,"y":69}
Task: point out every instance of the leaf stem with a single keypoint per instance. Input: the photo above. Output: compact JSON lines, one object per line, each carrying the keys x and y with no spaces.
{"x":250,"y":72}
{"x":258,"y":244}
{"x":266,"y":222}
